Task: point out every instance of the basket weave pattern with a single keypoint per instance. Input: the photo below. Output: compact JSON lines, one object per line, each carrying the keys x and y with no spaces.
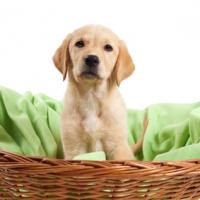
{"x":42,"y":178}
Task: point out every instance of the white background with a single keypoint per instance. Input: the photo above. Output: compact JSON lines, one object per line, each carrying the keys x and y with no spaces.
{"x":163,"y":37}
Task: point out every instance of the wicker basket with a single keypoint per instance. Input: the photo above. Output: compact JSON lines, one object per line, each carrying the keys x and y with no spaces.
{"x":43,"y":178}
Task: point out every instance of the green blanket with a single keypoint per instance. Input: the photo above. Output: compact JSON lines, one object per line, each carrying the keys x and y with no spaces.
{"x":30,"y":125}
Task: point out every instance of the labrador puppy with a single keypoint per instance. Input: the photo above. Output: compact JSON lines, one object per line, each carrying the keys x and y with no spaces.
{"x":94,"y":115}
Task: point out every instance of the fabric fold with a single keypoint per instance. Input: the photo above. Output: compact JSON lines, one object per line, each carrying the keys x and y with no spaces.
{"x":30,"y":125}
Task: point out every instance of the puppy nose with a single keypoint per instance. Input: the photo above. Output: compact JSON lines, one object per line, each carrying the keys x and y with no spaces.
{"x":92,"y":60}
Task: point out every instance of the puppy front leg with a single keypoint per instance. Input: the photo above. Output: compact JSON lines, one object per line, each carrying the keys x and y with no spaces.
{"x":118,"y":150}
{"x":73,"y":146}
{"x":122,"y":152}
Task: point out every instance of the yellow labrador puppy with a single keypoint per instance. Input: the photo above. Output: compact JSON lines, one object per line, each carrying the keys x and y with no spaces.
{"x":94,"y":116}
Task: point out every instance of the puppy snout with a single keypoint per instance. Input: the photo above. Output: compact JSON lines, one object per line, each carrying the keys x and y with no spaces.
{"x":92,"y":61}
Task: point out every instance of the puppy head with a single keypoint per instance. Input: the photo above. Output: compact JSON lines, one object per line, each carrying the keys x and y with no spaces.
{"x":94,"y":53}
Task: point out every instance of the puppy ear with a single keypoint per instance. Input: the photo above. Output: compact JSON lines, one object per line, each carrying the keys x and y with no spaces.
{"x":124,"y":66}
{"x":61,"y":57}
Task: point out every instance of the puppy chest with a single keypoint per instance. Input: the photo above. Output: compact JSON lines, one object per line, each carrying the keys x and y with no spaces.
{"x":91,"y":124}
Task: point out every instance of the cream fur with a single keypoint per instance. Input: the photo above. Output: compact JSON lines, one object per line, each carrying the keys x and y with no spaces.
{"x":94,"y":115}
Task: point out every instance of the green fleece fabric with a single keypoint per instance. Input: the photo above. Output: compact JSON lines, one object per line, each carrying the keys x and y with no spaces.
{"x":173,"y":131}
{"x":30,"y":125}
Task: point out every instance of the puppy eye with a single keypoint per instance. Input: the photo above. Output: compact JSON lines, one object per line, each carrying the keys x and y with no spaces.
{"x":80,"y":44}
{"x":108,"y":47}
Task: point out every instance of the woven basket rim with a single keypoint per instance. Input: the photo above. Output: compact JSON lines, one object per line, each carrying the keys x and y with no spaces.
{"x":108,"y":168}
{"x":57,"y":179}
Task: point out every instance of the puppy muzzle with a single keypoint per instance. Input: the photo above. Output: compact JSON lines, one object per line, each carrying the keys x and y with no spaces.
{"x":90,"y":69}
